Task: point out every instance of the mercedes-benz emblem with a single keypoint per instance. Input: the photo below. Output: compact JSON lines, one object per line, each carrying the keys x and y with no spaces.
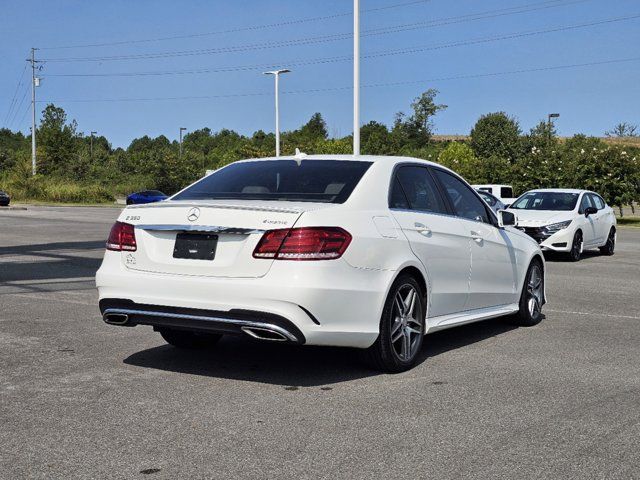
{"x":193,"y":214}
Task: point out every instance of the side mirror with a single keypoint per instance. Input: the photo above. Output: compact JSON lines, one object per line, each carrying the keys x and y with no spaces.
{"x":590,"y":211}
{"x":506,"y":219}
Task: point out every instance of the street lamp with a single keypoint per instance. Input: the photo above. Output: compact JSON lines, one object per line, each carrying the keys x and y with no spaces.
{"x":91,"y":148}
{"x":182,"y":129}
{"x":549,"y":122}
{"x":276,"y":75}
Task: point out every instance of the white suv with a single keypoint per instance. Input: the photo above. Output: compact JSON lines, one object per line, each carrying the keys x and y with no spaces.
{"x":567,"y":220}
{"x":368,"y":252}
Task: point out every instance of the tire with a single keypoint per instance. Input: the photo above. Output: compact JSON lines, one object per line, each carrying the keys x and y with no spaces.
{"x":402,"y":327}
{"x":531,"y":298}
{"x":576,"y":247}
{"x":129,"y":202}
{"x":189,"y":340}
{"x":609,"y":247}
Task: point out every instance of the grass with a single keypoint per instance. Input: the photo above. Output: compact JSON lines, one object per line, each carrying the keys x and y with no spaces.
{"x":629,"y":221}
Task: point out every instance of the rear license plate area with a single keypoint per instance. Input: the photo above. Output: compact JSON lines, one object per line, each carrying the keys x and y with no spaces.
{"x":195,"y":246}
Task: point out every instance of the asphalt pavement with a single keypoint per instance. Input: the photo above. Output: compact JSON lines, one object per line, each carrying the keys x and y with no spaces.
{"x":82,"y":399}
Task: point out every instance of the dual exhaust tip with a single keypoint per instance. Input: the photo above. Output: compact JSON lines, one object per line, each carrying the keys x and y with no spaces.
{"x":254,"y":332}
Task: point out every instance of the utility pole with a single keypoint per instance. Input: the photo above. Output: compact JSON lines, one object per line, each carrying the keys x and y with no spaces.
{"x":182,"y":129}
{"x":356,"y":77}
{"x":550,"y":124}
{"x":276,"y":75}
{"x":35,"y":82}
{"x":91,"y":149}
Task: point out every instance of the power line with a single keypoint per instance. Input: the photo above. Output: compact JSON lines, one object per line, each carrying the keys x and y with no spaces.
{"x":382,"y":53}
{"x":19,"y":105}
{"x":24,"y":114}
{"x":326,"y":38}
{"x":15,"y":93}
{"x":239,"y":29}
{"x":375,"y":85}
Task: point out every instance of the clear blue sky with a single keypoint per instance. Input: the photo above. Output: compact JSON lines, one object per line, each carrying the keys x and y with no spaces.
{"x":590,"y":99}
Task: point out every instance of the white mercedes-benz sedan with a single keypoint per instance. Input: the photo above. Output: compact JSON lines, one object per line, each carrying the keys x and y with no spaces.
{"x":567,"y":220}
{"x":368,"y":252}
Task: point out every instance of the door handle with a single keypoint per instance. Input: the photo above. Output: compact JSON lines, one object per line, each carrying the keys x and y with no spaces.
{"x":476,"y":237}
{"x":422,"y":229}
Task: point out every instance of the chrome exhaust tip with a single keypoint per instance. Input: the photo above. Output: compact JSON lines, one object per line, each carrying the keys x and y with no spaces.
{"x":264,"y":334}
{"x":116,"y":318}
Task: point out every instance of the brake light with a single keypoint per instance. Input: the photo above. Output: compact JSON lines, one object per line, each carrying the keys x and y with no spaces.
{"x":122,"y":237}
{"x":307,"y":243}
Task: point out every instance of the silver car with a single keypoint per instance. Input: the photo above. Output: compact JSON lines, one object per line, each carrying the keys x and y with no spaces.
{"x":492,"y":201}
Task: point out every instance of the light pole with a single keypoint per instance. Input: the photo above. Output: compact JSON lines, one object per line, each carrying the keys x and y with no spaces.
{"x":550,"y":124}
{"x":276,"y":75}
{"x":356,"y":77}
{"x":182,"y":129}
{"x":91,"y":148}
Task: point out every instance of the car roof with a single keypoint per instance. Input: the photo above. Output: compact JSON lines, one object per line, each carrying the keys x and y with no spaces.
{"x":346,"y":157}
{"x":560,"y":190}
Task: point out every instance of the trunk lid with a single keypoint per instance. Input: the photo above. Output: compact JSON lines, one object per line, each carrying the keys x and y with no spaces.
{"x":238,"y":226}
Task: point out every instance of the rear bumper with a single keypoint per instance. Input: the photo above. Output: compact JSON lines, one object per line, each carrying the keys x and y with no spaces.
{"x":319,"y":303}
{"x":263,"y":325}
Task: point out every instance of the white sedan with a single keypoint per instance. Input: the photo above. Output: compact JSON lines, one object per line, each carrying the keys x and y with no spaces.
{"x":567,"y":220}
{"x":367,"y":252}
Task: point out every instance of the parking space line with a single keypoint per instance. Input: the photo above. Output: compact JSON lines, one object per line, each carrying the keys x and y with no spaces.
{"x":632,"y":317}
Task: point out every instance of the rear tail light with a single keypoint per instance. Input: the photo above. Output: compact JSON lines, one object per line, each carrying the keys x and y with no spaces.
{"x":307,"y":243}
{"x":122,"y":237}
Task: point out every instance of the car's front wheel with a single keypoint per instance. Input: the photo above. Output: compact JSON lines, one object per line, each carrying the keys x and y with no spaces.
{"x":532,"y":297}
{"x":610,"y":246}
{"x":189,"y":340}
{"x":576,"y":247}
{"x":402,"y":327}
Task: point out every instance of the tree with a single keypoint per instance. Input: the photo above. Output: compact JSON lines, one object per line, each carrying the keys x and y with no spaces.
{"x":376,"y":139}
{"x":415,"y":131}
{"x":56,"y":140}
{"x":497,"y":134}
{"x":460,"y":158}
{"x":622,"y":130}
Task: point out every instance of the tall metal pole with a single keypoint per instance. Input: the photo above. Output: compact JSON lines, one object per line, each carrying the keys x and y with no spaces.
{"x":33,"y":111}
{"x":182,"y":129}
{"x":356,"y":77}
{"x":276,"y":74}
{"x":277,"y":87}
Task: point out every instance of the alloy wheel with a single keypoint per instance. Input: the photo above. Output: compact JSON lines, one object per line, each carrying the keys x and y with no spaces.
{"x":534,"y":291}
{"x":576,"y":247}
{"x":406,"y":327}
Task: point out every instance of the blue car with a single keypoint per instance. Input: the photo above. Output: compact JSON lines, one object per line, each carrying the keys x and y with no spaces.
{"x":146,"y":196}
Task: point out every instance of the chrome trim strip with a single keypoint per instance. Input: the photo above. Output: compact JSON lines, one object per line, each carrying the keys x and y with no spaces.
{"x":200,"y":228}
{"x":231,"y":321}
{"x":187,"y":203}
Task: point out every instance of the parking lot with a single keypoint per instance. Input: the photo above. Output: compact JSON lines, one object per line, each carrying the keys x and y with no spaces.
{"x":79,"y":398}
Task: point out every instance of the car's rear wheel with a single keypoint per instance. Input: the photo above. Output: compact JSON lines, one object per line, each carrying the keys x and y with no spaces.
{"x":402,"y":327}
{"x":189,"y":340}
{"x":610,"y":246}
{"x":576,"y":247}
{"x":532,"y":296}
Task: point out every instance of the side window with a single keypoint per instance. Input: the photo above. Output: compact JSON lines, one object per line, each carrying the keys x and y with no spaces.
{"x":506,"y":192}
{"x":597,"y":201}
{"x":420,"y":191}
{"x":397,"y":199}
{"x":585,"y":203}
{"x":464,"y":201}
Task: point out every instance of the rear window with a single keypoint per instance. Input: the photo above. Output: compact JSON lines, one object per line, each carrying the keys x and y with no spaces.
{"x":506,"y":192}
{"x":327,"y":181}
